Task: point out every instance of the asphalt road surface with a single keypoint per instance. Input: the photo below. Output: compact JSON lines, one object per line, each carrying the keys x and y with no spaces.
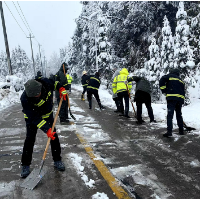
{"x":118,"y":158}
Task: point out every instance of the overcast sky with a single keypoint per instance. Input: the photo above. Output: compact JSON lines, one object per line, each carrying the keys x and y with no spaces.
{"x":51,"y":22}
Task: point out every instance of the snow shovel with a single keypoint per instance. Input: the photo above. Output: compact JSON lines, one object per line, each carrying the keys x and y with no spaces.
{"x":130,"y":100}
{"x":187,"y":127}
{"x":69,"y":109}
{"x":37,"y":174}
{"x":68,"y":98}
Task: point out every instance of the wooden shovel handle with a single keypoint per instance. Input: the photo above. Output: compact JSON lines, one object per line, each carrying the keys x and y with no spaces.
{"x":130,"y":98}
{"x":54,"y":123}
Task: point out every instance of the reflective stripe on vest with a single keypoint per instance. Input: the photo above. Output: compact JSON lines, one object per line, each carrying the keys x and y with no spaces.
{"x":47,"y":115}
{"x":42,"y":101}
{"x":41,"y":123}
{"x":55,"y":85}
{"x":175,"y":95}
{"x":163,"y":87}
{"x":95,"y":79}
{"x":92,"y":87}
{"x":175,"y":79}
{"x":43,"y":116}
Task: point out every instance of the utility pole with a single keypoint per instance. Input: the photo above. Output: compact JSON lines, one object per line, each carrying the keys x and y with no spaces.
{"x":6,"y":40}
{"x":32,"y":54}
{"x":41,"y":59}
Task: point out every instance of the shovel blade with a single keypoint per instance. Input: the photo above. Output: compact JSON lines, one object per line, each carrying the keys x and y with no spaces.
{"x":34,"y":178}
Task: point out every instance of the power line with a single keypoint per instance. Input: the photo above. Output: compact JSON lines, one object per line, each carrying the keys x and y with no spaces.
{"x":20,"y":16}
{"x":24,"y":17}
{"x":26,"y":21}
{"x":15,"y":19}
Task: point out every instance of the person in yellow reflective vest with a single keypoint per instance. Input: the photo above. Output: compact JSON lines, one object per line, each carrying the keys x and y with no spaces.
{"x":120,"y":89}
{"x":69,"y":79}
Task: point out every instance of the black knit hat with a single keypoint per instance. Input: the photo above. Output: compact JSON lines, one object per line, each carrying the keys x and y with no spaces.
{"x":175,"y":71}
{"x":32,"y":88}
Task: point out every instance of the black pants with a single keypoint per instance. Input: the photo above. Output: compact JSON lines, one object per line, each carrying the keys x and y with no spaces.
{"x":30,"y":141}
{"x":63,"y":114}
{"x":84,"y":90}
{"x":91,"y":92}
{"x":171,"y":106}
{"x":140,"y":98}
{"x":117,"y":103}
{"x":121,"y":96}
{"x":69,"y":85}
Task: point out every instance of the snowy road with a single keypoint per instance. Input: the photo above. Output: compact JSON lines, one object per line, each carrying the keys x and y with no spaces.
{"x":98,"y":147}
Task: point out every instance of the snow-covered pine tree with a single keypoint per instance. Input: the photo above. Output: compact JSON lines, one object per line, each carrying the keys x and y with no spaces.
{"x":38,"y":63}
{"x":3,"y":66}
{"x":183,"y":53}
{"x":154,"y":68}
{"x":21,"y":65}
{"x":167,"y":47}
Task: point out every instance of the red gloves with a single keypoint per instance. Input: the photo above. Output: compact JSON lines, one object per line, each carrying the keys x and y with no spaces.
{"x":50,"y":134}
{"x":63,"y":92}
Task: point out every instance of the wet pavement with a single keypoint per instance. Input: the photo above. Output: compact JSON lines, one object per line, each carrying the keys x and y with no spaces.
{"x":143,"y":163}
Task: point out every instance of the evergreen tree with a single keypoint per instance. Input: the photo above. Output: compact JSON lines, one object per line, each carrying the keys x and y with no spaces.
{"x":183,"y":54}
{"x":167,"y":48}
{"x":154,"y":69}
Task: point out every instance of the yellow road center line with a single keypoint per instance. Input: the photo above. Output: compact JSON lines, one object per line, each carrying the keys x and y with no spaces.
{"x":112,"y":182}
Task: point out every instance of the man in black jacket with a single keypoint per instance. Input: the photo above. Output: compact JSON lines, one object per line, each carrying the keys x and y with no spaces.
{"x":174,"y":88}
{"x":92,"y":89}
{"x":62,"y":79}
{"x":84,"y":80}
{"x":39,"y":75}
{"x":37,"y":106}
{"x":142,"y":95}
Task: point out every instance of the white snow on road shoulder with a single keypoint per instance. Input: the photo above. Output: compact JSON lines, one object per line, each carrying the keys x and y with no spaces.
{"x":76,"y":160}
{"x":99,"y":195}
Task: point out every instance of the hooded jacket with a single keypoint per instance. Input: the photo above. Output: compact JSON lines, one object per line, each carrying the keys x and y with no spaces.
{"x":62,"y":79}
{"x":118,"y":82}
{"x":114,"y":75}
{"x":173,"y":86}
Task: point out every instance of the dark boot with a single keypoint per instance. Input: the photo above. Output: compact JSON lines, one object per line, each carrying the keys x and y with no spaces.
{"x":82,"y":97}
{"x":181,"y":132}
{"x":25,"y":171}
{"x":168,"y":134}
{"x":153,"y":121}
{"x":64,"y":121}
{"x":100,"y":106}
{"x":90,"y":104}
{"x":126,"y":112}
{"x":59,"y":165}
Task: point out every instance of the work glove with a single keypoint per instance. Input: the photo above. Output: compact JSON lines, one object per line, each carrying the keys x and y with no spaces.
{"x":63,"y":93}
{"x":126,"y":82}
{"x":50,"y":134}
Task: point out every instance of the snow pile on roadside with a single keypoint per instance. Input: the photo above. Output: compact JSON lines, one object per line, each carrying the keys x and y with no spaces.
{"x":9,"y":97}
